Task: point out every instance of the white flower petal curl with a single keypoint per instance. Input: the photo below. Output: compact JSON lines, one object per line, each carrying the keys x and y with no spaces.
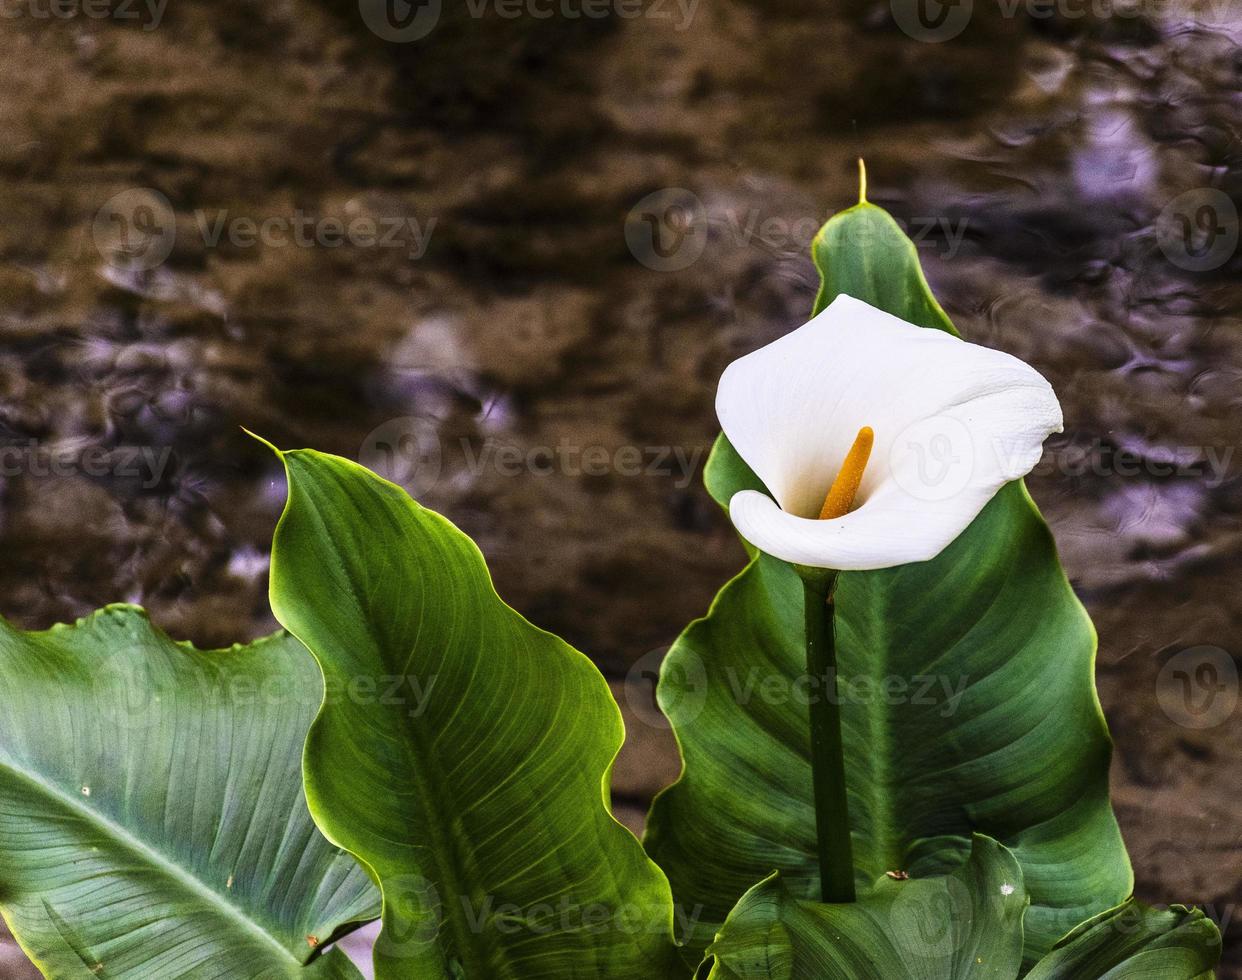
{"x":953,"y":423}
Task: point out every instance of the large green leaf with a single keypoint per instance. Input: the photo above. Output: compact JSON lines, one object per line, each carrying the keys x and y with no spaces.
{"x":1136,"y":942}
{"x":863,"y":253}
{"x":152,"y":822}
{"x":461,"y":753}
{"x":966,"y":926}
{"x":968,"y":695}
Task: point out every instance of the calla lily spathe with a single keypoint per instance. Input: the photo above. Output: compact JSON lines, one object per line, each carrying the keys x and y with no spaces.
{"x":953,"y":422}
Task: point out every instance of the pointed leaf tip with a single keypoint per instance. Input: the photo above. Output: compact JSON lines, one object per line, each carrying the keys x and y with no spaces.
{"x":862,"y":181}
{"x":258,"y":438}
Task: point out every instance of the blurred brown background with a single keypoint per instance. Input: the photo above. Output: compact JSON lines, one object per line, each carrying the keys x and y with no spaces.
{"x":503,"y":257}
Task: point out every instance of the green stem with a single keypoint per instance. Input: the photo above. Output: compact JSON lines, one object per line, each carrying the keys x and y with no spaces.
{"x":832,"y":819}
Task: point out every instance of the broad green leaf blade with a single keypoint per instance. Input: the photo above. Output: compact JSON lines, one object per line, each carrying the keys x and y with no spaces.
{"x":968,"y":695}
{"x":1136,"y":942}
{"x":152,"y":822}
{"x":966,"y":926}
{"x":864,"y":253}
{"x":461,"y":753}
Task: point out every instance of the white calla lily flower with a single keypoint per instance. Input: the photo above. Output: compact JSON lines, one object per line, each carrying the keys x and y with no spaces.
{"x":952,"y":422}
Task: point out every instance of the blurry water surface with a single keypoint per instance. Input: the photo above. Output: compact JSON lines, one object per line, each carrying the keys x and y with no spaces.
{"x":504,"y":264}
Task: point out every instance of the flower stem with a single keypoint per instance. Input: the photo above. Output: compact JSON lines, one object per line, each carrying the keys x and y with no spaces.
{"x":836,"y":856}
